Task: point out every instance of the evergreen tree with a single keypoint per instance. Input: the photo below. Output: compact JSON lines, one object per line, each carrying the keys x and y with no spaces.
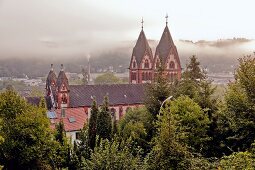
{"x":104,"y":121}
{"x":63,"y":148}
{"x":193,"y":71}
{"x":92,"y":131}
{"x":83,"y":146}
{"x":157,"y":92}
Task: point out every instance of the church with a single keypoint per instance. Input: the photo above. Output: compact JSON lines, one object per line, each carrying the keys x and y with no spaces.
{"x":72,"y":103}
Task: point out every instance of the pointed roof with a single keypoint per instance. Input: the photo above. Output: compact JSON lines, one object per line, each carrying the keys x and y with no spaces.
{"x":62,"y":79}
{"x":141,"y":48}
{"x":165,"y":44}
{"x":51,"y":77}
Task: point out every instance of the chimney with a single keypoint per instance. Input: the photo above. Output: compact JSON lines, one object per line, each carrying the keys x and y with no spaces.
{"x":62,"y":67}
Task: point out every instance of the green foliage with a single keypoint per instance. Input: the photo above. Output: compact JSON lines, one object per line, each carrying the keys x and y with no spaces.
{"x":238,"y":160}
{"x":193,"y":71}
{"x":11,"y":105}
{"x":246,"y":76}
{"x":168,"y":152}
{"x":61,"y":158}
{"x":113,"y":155}
{"x":83,"y":146}
{"x":193,"y":123}
{"x":104,"y":121}
{"x":196,"y":85}
{"x":92,"y":125}
{"x":107,"y":78}
{"x":157,"y":92}
{"x":137,"y":124}
{"x":27,"y":138}
{"x":240,"y":107}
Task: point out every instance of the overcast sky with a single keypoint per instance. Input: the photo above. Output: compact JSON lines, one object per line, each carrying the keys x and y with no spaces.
{"x":76,"y":27}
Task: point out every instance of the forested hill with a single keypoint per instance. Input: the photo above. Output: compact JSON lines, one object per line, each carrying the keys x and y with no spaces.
{"x":217,"y":56}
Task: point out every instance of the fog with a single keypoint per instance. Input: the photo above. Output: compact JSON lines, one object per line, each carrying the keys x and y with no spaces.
{"x":39,"y":28}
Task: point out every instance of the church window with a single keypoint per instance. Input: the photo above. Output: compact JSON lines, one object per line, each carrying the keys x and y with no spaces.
{"x":134,"y":64}
{"x":64,"y":99}
{"x":171,"y":65}
{"x":143,"y":76}
{"x":133,"y":76}
{"x":146,"y":63}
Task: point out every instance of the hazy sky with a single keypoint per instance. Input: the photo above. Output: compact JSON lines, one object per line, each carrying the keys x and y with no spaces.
{"x":76,"y":27}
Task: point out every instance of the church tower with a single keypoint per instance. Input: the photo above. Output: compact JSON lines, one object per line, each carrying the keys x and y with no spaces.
{"x":62,"y":88}
{"x":51,"y":82}
{"x":140,"y":68}
{"x":166,"y":54}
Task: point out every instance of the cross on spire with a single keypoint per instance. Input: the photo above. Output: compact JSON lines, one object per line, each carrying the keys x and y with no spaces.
{"x":166,"y":18}
{"x":142,"y":23}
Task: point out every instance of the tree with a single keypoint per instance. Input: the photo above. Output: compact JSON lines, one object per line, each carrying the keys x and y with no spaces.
{"x":240,"y":106}
{"x":137,"y":124}
{"x":193,"y":71}
{"x":62,"y":148}
{"x":104,"y":121}
{"x":193,"y":123}
{"x":168,"y":152}
{"x":107,"y":78}
{"x":84,"y":149}
{"x":157,"y":92}
{"x":27,"y":138}
{"x":92,"y":131}
{"x":238,"y":160}
{"x":113,"y":155}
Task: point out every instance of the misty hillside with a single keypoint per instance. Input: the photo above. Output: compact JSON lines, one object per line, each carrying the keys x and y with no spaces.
{"x":217,"y":56}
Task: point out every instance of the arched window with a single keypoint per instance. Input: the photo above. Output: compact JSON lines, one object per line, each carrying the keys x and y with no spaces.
{"x":150,"y":76}
{"x":171,"y":65}
{"x":146,"y":64}
{"x":64,"y":99}
{"x":133,"y":76}
{"x":143,"y":77}
{"x":147,"y":76}
{"x":134,"y":64}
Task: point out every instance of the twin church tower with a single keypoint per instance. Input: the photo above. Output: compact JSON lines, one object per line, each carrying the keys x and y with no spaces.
{"x":143,"y":65}
{"x":143,"y":69}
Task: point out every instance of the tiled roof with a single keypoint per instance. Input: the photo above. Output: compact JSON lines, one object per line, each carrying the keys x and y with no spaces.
{"x":141,"y":48}
{"x":165,"y":45}
{"x":73,"y":121}
{"x":82,"y":95}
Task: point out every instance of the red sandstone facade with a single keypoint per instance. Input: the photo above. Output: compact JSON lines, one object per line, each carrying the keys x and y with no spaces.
{"x":143,"y":65}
